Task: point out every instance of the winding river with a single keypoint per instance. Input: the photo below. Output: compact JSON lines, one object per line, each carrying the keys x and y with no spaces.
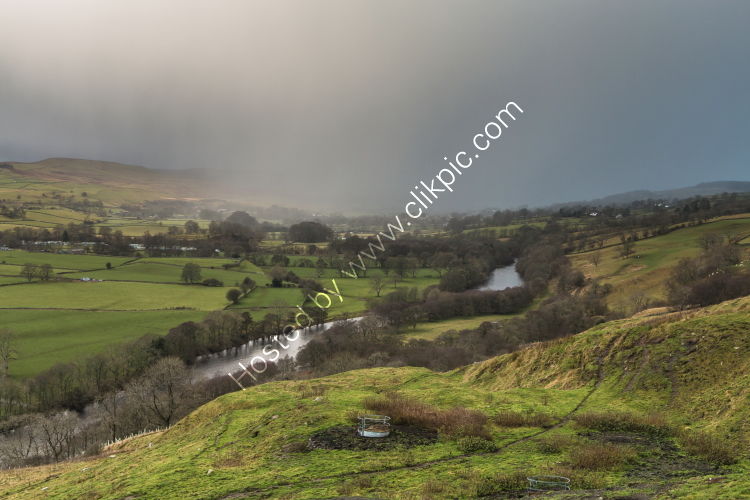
{"x":220,"y":364}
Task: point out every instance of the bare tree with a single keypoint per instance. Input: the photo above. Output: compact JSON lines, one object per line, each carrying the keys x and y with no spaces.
{"x":57,"y":433}
{"x":45,"y":272}
{"x":18,"y":446}
{"x":627,"y":247}
{"x":29,"y":271}
{"x":595,"y":258}
{"x":164,"y":391}
{"x":377,"y":284}
{"x":709,"y":240}
{"x":7,"y":349}
{"x":639,"y":301}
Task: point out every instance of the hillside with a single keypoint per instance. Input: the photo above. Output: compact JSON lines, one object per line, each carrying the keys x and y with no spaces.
{"x":643,"y":275}
{"x":690,"y":367}
{"x":112,"y":183}
{"x":702,"y":189}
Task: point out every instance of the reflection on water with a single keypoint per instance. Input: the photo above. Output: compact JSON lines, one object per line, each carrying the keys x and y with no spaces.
{"x":228,"y":361}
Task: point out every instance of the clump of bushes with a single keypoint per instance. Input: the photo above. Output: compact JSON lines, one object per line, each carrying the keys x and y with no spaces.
{"x":600,"y":456}
{"x":212,"y":282}
{"x":709,"y":447}
{"x":509,"y":418}
{"x":652,"y":424}
{"x":455,"y":422}
{"x":474,"y":444}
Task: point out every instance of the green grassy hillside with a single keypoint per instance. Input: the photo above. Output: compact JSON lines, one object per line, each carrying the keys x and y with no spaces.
{"x":691,"y":368}
{"x":648,"y":268}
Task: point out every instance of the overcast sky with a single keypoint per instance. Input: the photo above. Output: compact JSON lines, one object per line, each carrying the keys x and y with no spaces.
{"x":347,"y":104}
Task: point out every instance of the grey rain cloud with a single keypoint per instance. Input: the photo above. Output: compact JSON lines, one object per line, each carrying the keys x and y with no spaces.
{"x":345,"y":105}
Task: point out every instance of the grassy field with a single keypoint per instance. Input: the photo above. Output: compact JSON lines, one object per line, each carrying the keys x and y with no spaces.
{"x":111,"y":296}
{"x":250,"y":444}
{"x":52,"y":217}
{"x":164,"y":273}
{"x":430,"y":331}
{"x":45,"y":338}
{"x":646,"y":271}
{"x":264,"y":297}
{"x":60,"y":261}
{"x":356,"y":292}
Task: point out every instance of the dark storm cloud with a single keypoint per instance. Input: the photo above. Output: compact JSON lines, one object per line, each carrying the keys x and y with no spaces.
{"x":346,"y":105}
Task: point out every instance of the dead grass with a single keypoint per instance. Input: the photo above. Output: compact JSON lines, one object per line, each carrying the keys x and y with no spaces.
{"x":600,"y":456}
{"x":454,"y":422}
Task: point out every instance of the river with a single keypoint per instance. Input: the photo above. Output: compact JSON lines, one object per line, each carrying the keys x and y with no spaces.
{"x":502,"y":278}
{"x":228,"y":361}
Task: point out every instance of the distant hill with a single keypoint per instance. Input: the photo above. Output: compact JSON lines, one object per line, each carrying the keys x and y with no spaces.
{"x":702,"y":189}
{"x":112,"y":183}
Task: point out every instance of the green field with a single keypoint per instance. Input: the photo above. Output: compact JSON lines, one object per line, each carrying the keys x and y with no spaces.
{"x":60,"y":261}
{"x":51,"y":216}
{"x":355,"y":292}
{"x":430,"y":331}
{"x":264,"y":297}
{"x":164,"y":273}
{"x":45,"y":338}
{"x":110,"y":295}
